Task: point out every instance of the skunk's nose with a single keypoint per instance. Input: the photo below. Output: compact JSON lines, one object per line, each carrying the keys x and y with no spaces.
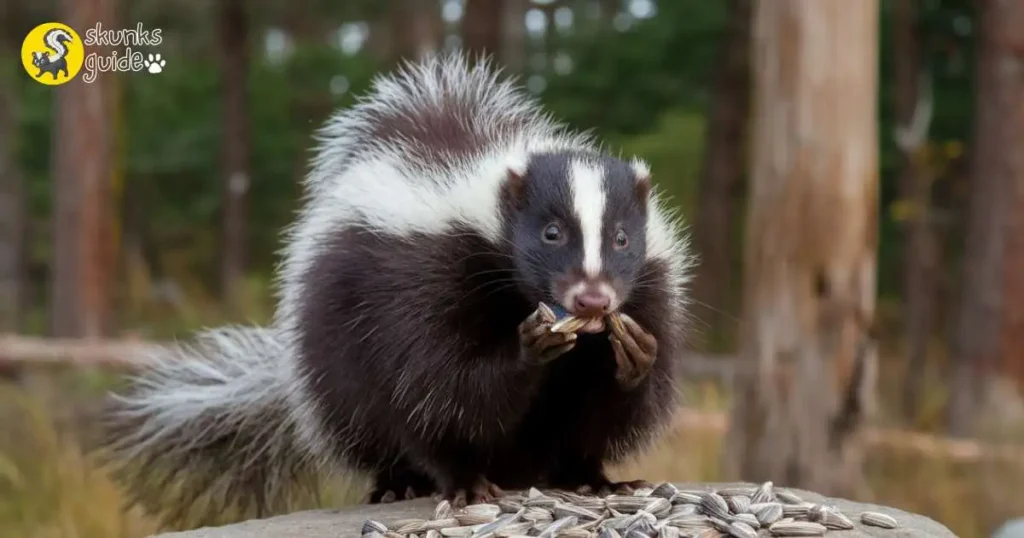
{"x":592,"y":303}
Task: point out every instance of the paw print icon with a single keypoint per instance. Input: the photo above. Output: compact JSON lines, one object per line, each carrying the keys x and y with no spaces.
{"x":154,"y":63}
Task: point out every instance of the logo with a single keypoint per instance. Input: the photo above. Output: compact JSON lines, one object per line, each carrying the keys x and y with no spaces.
{"x":52,"y":53}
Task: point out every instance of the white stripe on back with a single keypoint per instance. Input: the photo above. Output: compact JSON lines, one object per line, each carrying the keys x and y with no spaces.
{"x":587,"y":182}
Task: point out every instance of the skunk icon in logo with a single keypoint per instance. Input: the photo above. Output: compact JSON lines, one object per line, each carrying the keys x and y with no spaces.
{"x":52,"y":53}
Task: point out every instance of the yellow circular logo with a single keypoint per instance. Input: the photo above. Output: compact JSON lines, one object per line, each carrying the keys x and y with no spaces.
{"x":52,"y":53}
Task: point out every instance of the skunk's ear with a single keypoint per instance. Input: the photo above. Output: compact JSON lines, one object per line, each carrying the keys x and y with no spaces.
{"x":642,"y":174}
{"x":514,"y":190}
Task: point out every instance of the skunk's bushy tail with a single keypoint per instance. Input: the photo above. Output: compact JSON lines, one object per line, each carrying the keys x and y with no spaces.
{"x":206,"y":433}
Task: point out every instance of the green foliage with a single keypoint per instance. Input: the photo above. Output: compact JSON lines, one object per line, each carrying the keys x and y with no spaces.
{"x":623,"y":80}
{"x":673,"y":150}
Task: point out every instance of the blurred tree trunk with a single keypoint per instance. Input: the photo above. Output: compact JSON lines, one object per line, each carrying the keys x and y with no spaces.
{"x":1007,"y":24}
{"x":482,"y":27}
{"x":234,"y":35}
{"x":810,"y":253}
{"x":995,"y":165}
{"x":513,"y":46}
{"x":417,"y":29}
{"x":83,"y":150}
{"x":13,"y":212}
{"x":609,"y":8}
{"x":920,"y":252}
{"x":725,"y":157}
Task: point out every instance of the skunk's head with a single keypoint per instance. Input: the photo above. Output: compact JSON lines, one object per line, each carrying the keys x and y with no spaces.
{"x":577,"y":226}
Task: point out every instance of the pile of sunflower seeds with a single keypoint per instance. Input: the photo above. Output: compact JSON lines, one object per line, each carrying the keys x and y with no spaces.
{"x":661,"y":512}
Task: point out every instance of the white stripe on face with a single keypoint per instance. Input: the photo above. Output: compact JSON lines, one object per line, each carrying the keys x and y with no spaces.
{"x":588,"y":198}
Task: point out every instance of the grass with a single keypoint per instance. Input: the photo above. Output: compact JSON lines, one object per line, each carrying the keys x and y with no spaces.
{"x":49,"y":489}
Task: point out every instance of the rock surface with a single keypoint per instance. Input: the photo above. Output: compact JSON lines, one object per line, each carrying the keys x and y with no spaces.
{"x":347,"y":522}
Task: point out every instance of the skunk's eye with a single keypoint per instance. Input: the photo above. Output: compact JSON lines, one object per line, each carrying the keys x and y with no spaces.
{"x":621,"y":240}
{"x":553,"y":234}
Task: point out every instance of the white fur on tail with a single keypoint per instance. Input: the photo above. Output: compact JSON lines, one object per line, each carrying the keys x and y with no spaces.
{"x":229,"y":388}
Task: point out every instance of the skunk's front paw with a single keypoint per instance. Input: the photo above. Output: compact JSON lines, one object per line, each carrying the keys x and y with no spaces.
{"x":635,"y":350}
{"x":538,"y":343}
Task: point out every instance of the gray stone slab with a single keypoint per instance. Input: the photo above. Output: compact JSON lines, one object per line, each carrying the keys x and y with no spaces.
{"x":347,"y":522}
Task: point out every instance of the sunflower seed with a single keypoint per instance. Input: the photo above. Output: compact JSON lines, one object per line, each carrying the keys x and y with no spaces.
{"x":511,"y":529}
{"x":720,"y":524}
{"x":509,"y":506}
{"x":732,"y":492}
{"x":642,"y":525}
{"x":796,"y":510}
{"x":568,"y":324}
{"x":616,"y":523}
{"x":739,"y":504}
{"x":467,"y":519}
{"x":371,"y":525}
{"x":615,"y":324}
{"x":464,"y":530}
{"x":625,"y":503}
{"x":668,"y":531}
{"x":788,"y":497}
{"x":687,"y":497}
{"x":493,"y":527}
{"x":665,"y":491}
{"x":564,"y":510}
{"x":439,"y":524}
{"x":536,"y":514}
{"x":689,"y":522}
{"x":683,"y":510}
{"x":658,"y":506}
{"x":834,"y":519}
{"x":714,"y":505}
{"x":748,"y":519}
{"x":767,"y":513}
{"x":563,"y":523}
{"x":542,"y":501}
{"x":483,"y":509}
{"x":797,"y":528}
{"x":878,"y":520}
{"x":621,"y":523}
{"x":444,"y":510}
{"x":575,"y":532}
{"x":764,"y":494}
{"x":643,"y":492}
{"x":433,"y":533}
{"x":708,"y":533}
{"x":740,"y":529}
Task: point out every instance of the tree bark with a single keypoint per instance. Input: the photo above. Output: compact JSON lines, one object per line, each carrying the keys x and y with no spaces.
{"x":995,"y":165}
{"x":1007,"y":20}
{"x":725,"y":157}
{"x":513,"y":47}
{"x":83,"y":157}
{"x":810,"y":253}
{"x":482,"y":27}
{"x":920,"y":252}
{"x":234,"y":34}
{"x":418,"y":31}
